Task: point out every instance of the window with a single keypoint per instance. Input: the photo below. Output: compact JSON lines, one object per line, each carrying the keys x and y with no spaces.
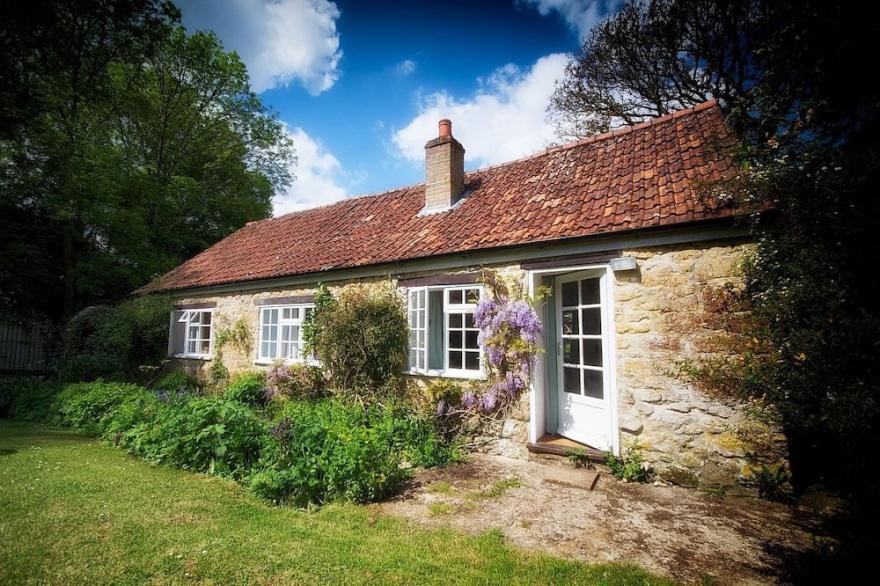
{"x":281,"y":332}
{"x":196,"y":332}
{"x":442,"y":332}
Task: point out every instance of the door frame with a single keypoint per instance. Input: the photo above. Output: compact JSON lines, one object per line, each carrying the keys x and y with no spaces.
{"x":539,"y":384}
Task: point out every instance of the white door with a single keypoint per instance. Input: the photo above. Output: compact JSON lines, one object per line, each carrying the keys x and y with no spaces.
{"x":583,"y":350}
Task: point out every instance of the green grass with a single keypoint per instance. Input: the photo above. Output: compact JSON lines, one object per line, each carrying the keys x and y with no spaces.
{"x":74,"y":511}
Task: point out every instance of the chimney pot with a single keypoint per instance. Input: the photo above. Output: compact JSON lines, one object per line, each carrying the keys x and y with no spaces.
{"x":445,"y":128}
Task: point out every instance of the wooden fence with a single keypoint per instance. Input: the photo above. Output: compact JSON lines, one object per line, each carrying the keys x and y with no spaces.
{"x":23,"y":346}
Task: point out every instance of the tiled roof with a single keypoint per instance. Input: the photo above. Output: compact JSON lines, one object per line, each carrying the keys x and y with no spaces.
{"x":636,"y":177}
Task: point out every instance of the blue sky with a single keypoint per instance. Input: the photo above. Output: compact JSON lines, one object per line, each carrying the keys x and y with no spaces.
{"x":361,"y":85}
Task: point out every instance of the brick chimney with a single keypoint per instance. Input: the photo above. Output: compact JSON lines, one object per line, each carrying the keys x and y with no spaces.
{"x":444,"y":170}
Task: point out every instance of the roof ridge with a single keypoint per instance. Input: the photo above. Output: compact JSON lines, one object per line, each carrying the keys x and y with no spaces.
{"x":558,"y":148}
{"x":606,"y":135}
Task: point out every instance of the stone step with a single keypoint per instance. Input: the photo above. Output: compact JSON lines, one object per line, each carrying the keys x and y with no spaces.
{"x":571,"y":477}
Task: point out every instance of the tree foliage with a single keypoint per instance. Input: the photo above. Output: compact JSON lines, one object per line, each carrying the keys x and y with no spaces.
{"x":126,"y":146}
{"x":790,"y":77}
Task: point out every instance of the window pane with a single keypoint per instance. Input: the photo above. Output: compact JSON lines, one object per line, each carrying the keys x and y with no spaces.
{"x":470,"y":340}
{"x":571,"y":351}
{"x":264,"y":350}
{"x":593,"y":384}
{"x":592,"y":320}
{"x":455,"y":297}
{"x":412,"y":359}
{"x":455,"y":320}
{"x":454,"y":339}
{"x":272,"y":348}
{"x":422,"y":318}
{"x":455,"y":360}
{"x":191,"y":347}
{"x":206,"y":332}
{"x":421,"y":338}
{"x":589,"y":291}
{"x":472,"y":296}
{"x":421,"y":359}
{"x":413,"y":319}
{"x":570,"y":321}
{"x":472,"y":360}
{"x":206,"y":317}
{"x":571,"y":380}
{"x":569,"y":294}
{"x":205,"y":347}
{"x":469,"y":320}
{"x":593,"y":352}
{"x":285,"y":313}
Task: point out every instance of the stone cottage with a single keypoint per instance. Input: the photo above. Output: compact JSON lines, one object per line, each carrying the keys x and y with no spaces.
{"x":614,"y":225}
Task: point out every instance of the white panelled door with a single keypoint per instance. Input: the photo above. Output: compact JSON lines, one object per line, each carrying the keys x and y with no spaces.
{"x":584,"y":351}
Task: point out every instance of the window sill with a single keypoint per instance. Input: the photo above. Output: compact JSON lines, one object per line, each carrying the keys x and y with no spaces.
{"x":266,"y":362}
{"x":205,"y":357}
{"x":454,"y":374}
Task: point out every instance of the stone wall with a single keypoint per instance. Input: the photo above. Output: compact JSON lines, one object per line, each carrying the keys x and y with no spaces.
{"x":684,"y":434}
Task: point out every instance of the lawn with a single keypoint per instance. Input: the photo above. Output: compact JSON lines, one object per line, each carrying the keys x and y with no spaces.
{"x":75,"y":511}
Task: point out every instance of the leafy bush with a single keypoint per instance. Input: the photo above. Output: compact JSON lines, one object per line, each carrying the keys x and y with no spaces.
{"x":360,"y":337}
{"x":215,"y":436}
{"x":84,"y":405}
{"x":630,"y":467}
{"x":176,"y":382}
{"x":297,"y":381}
{"x":322,"y":451}
{"x":113,"y":342}
{"x":248,"y":388}
{"x":28,"y":398}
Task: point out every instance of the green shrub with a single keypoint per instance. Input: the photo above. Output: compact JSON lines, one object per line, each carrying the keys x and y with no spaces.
{"x":296,"y":381}
{"x":248,"y":388}
{"x":176,"y":382}
{"x":318,"y":452}
{"x":28,"y":398}
{"x":84,"y":405}
{"x":360,"y":337}
{"x":113,"y":342}
{"x":205,"y":434}
{"x":630,"y":467}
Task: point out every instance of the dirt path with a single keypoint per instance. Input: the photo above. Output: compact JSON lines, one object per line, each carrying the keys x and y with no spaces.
{"x":684,"y":534}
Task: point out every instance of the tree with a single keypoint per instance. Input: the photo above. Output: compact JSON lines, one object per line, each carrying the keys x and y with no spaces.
{"x":790,"y":78}
{"x":654,"y":57}
{"x":134,"y":147}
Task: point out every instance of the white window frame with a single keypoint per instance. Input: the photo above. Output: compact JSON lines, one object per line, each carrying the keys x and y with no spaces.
{"x":448,"y":308}
{"x":290,"y":322}
{"x":186,"y":318}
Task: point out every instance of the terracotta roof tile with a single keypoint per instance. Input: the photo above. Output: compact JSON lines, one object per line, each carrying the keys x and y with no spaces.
{"x":637,"y":177}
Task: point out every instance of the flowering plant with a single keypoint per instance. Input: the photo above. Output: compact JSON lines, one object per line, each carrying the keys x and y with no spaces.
{"x":509,"y":330}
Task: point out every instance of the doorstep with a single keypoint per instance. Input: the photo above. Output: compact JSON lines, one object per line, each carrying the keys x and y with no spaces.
{"x":558,"y":445}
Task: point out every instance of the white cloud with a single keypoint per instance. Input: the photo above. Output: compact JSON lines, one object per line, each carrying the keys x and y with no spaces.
{"x":580,"y":15}
{"x":318,"y":177}
{"x":280,"y":41}
{"x":405,"y":67}
{"x":505,"y":119}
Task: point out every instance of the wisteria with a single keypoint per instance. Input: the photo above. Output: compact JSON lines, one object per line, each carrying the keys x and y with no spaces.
{"x":509,"y":331}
